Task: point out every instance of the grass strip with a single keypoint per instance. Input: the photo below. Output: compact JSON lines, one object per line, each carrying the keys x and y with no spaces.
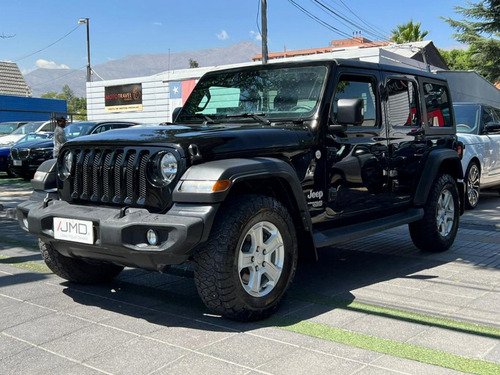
{"x":389,"y":347}
{"x":26,"y":265}
{"x":400,"y":315}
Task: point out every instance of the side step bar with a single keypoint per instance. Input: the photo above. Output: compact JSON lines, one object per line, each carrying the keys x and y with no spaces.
{"x":334,"y":236}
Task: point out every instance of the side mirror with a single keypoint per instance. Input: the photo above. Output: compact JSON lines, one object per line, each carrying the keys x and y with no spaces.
{"x":492,"y":127}
{"x":175,"y":113}
{"x":350,"y":111}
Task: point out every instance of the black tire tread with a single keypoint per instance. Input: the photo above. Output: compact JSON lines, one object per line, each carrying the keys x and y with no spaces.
{"x":214,"y":278}
{"x":424,"y":232}
{"x":77,"y":270}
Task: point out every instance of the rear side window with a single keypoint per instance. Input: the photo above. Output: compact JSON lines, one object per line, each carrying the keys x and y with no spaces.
{"x":402,"y":105}
{"x":352,"y":87}
{"x":437,"y":104}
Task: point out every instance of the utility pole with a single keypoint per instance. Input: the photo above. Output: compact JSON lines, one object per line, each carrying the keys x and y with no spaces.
{"x":264,"y":31}
{"x":89,"y":70}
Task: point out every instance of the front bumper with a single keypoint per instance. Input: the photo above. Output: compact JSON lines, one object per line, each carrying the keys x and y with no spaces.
{"x":120,"y":233}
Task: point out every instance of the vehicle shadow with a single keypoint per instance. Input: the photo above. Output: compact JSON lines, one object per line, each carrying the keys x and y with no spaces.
{"x":171,"y":299}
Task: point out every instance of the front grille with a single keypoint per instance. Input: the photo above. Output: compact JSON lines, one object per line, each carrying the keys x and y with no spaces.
{"x":23,"y":153}
{"x":14,"y":154}
{"x":116,"y":177}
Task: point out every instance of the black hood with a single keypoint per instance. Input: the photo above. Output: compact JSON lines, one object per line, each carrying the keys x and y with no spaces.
{"x":211,"y":141}
{"x":37,"y":143}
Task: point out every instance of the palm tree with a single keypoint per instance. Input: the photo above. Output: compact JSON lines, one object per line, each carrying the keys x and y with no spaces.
{"x":408,"y":32}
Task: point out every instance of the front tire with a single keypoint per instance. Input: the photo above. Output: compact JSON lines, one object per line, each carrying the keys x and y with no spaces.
{"x":437,"y":230}
{"x":472,"y":178}
{"x":246,"y":266}
{"x":77,"y":270}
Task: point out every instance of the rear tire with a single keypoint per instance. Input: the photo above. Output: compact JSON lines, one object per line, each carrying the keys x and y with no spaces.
{"x":472,"y":179}
{"x":244,"y":269}
{"x":437,"y":230}
{"x":77,"y":270}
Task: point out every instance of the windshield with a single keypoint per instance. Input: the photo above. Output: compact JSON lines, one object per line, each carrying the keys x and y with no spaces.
{"x":34,"y":136}
{"x":7,"y":127}
{"x":286,"y":93}
{"x":467,"y":118}
{"x":78,"y":129}
{"x":28,"y":128}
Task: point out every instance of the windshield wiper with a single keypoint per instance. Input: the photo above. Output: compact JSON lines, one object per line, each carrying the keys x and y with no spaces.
{"x":255,"y":116}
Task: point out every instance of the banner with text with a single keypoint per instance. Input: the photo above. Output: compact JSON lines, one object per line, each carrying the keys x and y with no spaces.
{"x":123,"y":98}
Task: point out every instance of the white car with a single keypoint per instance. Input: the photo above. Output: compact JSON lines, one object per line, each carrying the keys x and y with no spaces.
{"x":30,"y":127}
{"x":478,"y":127}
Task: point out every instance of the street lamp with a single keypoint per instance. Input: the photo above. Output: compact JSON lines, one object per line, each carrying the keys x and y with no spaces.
{"x":80,"y":22}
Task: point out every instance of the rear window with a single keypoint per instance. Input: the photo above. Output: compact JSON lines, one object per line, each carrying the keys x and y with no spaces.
{"x":438,"y":105}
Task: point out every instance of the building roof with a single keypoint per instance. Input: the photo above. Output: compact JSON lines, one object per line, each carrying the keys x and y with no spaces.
{"x":423,"y":51}
{"x":12,"y":81}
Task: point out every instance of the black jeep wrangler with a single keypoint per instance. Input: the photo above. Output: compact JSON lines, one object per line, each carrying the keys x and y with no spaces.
{"x":263,"y":165}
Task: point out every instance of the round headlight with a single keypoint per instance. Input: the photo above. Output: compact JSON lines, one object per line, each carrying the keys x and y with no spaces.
{"x":67,"y":164}
{"x":168,"y":167}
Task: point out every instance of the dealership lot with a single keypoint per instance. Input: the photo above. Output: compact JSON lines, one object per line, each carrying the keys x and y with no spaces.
{"x":373,"y":306}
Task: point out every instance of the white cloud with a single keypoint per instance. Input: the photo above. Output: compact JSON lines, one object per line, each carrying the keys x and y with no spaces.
{"x":41,"y":63}
{"x":157,"y":24}
{"x":223,"y":35}
{"x":255,"y":35}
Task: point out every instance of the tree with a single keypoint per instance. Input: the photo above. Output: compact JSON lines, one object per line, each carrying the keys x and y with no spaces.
{"x":76,"y":106}
{"x":457,"y":59}
{"x":193,"y":63}
{"x":408,"y":32}
{"x":481,"y":30}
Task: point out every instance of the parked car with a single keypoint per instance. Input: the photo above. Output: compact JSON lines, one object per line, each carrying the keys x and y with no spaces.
{"x":30,"y":127}
{"x":478,"y":127}
{"x":5,"y":150}
{"x":263,"y":165}
{"x":26,"y":158}
{"x":8,"y":127}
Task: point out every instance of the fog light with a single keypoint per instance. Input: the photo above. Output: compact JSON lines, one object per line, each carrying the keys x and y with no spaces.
{"x":152,"y":237}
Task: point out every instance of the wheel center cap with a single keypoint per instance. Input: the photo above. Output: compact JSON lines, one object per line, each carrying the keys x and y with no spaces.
{"x":259,"y":258}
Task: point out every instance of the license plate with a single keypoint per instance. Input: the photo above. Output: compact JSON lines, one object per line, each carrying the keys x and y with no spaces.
{"x":17,"y":163}
{"x":73,"y":230}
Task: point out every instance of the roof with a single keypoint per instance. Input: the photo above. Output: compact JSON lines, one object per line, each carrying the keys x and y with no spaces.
{"x":12,"y":81}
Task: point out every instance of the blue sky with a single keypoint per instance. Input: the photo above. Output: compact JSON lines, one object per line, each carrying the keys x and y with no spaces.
{"x":121,"y":27}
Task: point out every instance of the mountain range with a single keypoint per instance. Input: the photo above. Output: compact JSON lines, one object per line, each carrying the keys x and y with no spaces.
{"x":52,"y":80}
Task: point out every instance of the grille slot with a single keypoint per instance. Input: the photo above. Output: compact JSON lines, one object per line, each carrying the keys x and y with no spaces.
{"x":112,"y":176}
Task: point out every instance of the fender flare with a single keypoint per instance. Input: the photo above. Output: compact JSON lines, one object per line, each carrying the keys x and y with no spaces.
{"x":237,"y":170}
{"x":433,"y":164}
{"x":46,"y":176}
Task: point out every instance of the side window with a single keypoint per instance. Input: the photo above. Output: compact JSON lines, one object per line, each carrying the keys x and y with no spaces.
{"x":402,"y":104}
{"x":437,"y":103}
{"x":496,"y":113}
{"x":487,"y":115}
{"x":47,"y":127}
{"x":352,"y":87}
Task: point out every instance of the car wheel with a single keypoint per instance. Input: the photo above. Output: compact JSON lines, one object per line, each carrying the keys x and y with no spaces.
{"x":77,"y":270}
{"x":246,"y":266}
{"x":472,"y":178}
{"x":437,"y":230}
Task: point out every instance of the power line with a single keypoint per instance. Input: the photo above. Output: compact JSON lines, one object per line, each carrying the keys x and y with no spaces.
{"x":368,"y":24}
{"x":317,"y":19}
{"x":346,"y":19}
{"x":50,"y":45}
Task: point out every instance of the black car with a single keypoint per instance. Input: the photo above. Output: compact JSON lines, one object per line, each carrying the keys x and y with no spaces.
{"x":27,"y":157}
